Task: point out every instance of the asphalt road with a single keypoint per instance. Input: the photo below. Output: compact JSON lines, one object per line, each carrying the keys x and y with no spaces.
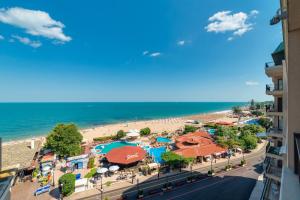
{"x":236,"y":184}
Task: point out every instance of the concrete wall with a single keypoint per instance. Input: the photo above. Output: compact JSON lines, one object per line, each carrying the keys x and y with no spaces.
{"x":293,"y":70}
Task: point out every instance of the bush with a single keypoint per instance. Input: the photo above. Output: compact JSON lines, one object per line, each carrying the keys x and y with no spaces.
{"x":108,"y":183}
{"x":265,"y":122}
{"x":145,"y":131}
{"x":103,"y":139}
{"x":243,"y":162}
{"x":91,"y":173}
{"x":257,"y":113}
{"x":68,"y":182}
{"x":91,"y":163}
{"x":189,"y":129}
{"x":120,"y":134}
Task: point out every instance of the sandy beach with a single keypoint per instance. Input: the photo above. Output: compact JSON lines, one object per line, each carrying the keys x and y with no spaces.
{"x":157,"y":125}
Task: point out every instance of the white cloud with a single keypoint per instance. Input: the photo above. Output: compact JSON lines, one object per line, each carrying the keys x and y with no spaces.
{"x":254,"y":12}
{"x":1,"y":37}
{"x":181,"y":43}
{"x":237,"y":23}
{"x":252,"y":83}
{"x":35,"y":22}
{"x":155,"y":54}
{"x":27,"y":41}
{"x":230,"y":38}
{"x":145,"y":53}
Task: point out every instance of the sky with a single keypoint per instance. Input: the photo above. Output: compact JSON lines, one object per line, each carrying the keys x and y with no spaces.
{"x":135,"y":50}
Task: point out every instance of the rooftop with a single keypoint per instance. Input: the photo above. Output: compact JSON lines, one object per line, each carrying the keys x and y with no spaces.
{"x":126,"y":155}
{"x":197,"y":144}
{"x":19,"y":154}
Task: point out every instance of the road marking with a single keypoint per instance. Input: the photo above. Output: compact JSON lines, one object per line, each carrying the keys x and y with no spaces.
{"x":201,"y":188}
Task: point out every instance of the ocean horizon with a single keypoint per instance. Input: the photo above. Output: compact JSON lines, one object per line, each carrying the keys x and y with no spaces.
{"x":31,"y":119}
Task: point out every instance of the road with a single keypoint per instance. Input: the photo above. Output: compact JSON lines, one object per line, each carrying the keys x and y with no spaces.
{"x":235,"y":184}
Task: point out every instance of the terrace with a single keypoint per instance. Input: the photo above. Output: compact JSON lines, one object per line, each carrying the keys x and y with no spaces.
{"x":274,"y":89}
{"x":274,"y":152}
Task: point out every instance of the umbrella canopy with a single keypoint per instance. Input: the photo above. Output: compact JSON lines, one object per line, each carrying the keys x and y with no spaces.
{"x":102,"y":170}
{"x":126,"y":155}
{"x":114,"y":168}
{"x":133,"y":133}
{"x":46,"y":168}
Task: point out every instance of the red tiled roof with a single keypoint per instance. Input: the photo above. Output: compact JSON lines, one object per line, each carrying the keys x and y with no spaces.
{"x":200,"y":151}
{"x":126,"y":155}
{"x":196,"y":138}
{"x":197,"y":144}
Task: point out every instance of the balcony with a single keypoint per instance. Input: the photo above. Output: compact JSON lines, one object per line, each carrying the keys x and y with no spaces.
{"x":272,"y":111}
{"x":273,"y":70}
{"x":273,"y":172}
{"x":275,"y":132}
{"x":271,"y":190}
{"x":274,"y":152}
{"x":275,"y":90}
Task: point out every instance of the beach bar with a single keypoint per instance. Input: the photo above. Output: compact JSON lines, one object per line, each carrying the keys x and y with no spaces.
{"x":78,"y":162}
{"x":126,"y":156}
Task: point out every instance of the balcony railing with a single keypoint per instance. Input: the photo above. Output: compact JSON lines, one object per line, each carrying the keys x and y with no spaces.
{"x":274,"y":150}
{"x":269,"y":64}
{"x":297,"y":154}
{"x":272,"y":87}
{"x":270,"y":108}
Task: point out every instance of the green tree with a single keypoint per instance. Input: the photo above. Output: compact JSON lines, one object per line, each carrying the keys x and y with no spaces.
{"x":189,"y":129}
{"x":120,"y":134}
{"x":68,"y":184}
{"x":254,"y":129}
{"x":257,"y":113}
{"x":145,"y":131}
{"x":252,"y":104}
{"x":250,"y":142}
{"x":175,"y":160}
{"x":265,"y":122}
{"x":64,"y":140}
{"x":236,"y":110}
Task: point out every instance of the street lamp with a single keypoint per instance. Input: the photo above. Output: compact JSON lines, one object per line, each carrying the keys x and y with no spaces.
{"x":137,"y":184}
{"x":101,"y":187}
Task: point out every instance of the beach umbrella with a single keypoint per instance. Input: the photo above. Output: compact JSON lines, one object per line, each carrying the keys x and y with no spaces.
{"x":46,"y":168}
{"x":102,"y":170}
{"x":114,"y":168}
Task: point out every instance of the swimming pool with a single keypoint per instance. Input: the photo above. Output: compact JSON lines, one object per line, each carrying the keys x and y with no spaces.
{"x":211,"y":131}
{"x":105,"y":148}
{"x":163,"y":140}
{"x":251,"y":122}
{"x":156,"y":153}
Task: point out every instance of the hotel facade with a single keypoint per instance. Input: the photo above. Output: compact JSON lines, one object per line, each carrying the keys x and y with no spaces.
{"x":282,"y":163}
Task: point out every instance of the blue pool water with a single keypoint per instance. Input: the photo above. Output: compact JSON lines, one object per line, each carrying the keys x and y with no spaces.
{"x":211,"y":131}
{"x":252,"y":122}
{"x":156,"y":153}
{"x":163,"y":140}
{"x":105,"y":148}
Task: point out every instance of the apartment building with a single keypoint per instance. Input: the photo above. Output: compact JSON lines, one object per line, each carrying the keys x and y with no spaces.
{"x":282,"y":175}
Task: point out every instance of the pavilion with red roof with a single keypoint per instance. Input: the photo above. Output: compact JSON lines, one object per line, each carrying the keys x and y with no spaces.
{"x":198,"y":145}
{"x":127,"y":155}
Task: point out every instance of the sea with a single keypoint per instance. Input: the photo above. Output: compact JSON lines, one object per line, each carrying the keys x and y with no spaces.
{"x":27,"y":120}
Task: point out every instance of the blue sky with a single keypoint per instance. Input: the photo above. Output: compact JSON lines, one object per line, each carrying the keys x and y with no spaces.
{"x":135,"y":50}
